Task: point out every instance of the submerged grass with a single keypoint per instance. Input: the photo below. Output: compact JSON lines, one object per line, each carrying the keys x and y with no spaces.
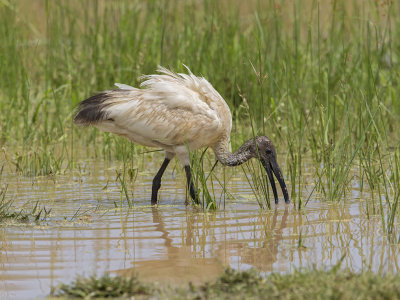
{"x":312,"y":284}
{"x":258,"y":182}
{"x":206,"y":197}
{"x":211,"y":189}
{"x":9,"y":213}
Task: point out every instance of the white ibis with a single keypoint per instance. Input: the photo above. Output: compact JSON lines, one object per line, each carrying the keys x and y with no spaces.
{"x":178,"y":113}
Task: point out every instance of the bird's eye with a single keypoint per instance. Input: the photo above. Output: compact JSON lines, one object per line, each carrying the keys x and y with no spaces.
{"x":269,"y":151}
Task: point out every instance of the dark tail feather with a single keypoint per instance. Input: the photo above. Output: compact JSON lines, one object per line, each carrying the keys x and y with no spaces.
{"x":92,"y":110}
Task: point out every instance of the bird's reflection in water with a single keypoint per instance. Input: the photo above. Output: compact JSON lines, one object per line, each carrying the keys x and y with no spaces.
{"x":264,"y":253}
{"x":179,"y":265}
{"x":202,"y":255}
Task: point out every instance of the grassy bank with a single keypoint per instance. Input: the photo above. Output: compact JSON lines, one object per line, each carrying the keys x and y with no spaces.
{"x":320,"y":79}
{"x":232,"y":284}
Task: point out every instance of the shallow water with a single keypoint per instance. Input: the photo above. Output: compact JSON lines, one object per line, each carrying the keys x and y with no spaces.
{"x":174,"y":243}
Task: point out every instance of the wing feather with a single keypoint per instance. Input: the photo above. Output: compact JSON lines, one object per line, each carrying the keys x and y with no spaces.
{"x":124,"y":86}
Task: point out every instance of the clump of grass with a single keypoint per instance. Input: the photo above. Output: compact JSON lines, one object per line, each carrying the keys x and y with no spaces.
{"x":103,"y":287}
{"x":38,"y":214}
{"x":206,"y":196}
{"x":124,"y":178}
{"x":40,"y":162}
{"x":259,"y":182}
{"x":389,"y":181}
{"x":232,"y":284}
{"x":5,"y":208}
{"x":8,"y":213}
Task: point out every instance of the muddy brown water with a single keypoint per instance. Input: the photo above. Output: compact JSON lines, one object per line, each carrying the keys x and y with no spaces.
{"x":174,"y":243}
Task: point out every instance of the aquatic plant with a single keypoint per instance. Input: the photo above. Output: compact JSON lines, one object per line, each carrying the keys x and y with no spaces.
{"x":10,"y":213}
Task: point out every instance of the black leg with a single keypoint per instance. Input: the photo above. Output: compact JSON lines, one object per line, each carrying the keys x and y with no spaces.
{"x":157,"y":181}
{"x":191,"y":188}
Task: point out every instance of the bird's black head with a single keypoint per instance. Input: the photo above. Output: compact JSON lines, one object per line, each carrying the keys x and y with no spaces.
{"x":265,"y":151}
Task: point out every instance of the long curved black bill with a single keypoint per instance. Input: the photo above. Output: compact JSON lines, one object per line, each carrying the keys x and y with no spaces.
{"x":272,"y":166}
{"x":272,"y":181}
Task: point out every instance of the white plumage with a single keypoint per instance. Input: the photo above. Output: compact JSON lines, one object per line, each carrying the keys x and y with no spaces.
{"x":175,"y":112}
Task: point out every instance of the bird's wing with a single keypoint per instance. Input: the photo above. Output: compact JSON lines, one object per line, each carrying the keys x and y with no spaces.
{"x":184,"y":91}
{"x":157,"y":122}
{"x":171,"y":109}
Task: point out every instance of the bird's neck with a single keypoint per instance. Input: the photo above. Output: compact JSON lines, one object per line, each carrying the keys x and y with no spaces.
{"x":227,"y":158}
